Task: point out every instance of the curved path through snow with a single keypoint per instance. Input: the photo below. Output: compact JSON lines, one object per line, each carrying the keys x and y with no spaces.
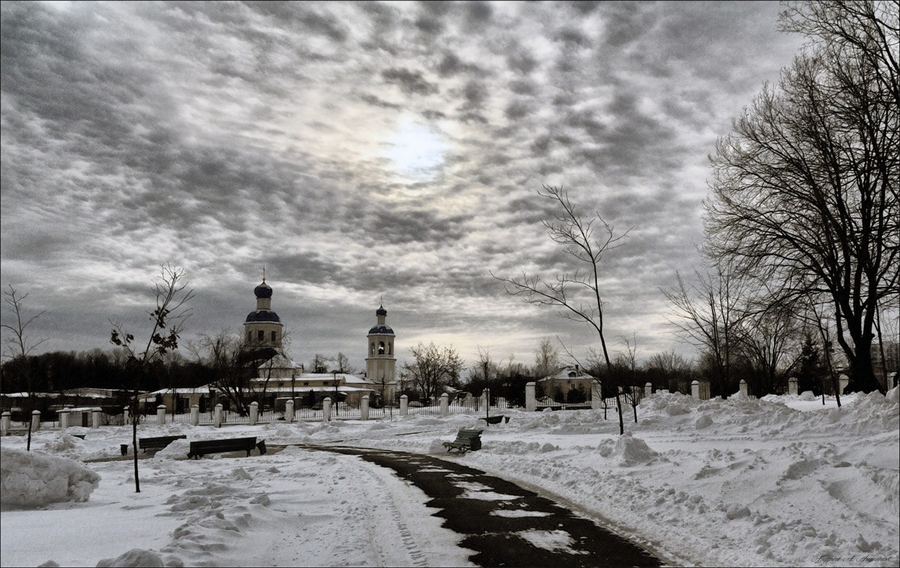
{"x":502,"y":522}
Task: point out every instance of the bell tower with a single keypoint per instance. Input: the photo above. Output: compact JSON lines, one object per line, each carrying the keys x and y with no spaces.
{"x":263,"y":327}
{"x":381,"y":362}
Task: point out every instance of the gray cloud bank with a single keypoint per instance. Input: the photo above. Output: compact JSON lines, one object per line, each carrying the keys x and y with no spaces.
{"x":361,"y":151}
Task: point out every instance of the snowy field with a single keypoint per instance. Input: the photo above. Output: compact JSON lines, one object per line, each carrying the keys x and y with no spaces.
{"x":783,"y":481}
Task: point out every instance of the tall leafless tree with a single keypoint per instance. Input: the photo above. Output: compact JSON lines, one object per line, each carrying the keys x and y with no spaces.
{"x":577,"y":293}
{"x":805,"y":189}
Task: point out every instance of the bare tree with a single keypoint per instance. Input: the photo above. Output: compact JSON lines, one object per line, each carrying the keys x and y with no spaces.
{"x":19,"y":348}
{"x":546,"y":359}
{"x":671,"y":367}
{"x":235,"y":364}
{"x":627,"y":361}
{"x":434,"y":368}
{"x":168,"y":321}
{"x":342,"y":364}
{"x":708,"y":315}
{"x":576,"y":293}
{"x":805,"y":189}
{"x":770,"y":342}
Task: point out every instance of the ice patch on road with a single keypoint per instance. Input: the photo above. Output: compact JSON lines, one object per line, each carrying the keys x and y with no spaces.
{"x":553,"y":541}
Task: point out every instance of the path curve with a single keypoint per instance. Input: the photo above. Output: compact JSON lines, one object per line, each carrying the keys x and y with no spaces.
{"x":504,"y":523}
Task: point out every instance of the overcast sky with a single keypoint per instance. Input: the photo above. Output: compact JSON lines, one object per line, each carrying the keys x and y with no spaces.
{"x":363,"y":153}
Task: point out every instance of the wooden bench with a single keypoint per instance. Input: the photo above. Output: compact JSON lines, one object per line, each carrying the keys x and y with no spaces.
{"x":158,"y":442}
{"x":203,"y":447}
{"x":495,"y":419}
{"x":465,"y":440}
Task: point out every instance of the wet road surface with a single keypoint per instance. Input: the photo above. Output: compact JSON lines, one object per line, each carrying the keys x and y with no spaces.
{"x":506,"y":525}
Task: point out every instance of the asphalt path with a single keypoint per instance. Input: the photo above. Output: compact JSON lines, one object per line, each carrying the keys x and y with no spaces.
{"x":505,"y":524}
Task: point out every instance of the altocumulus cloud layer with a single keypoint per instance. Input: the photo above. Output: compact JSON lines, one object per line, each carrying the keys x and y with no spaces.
{"x":362,"y":152}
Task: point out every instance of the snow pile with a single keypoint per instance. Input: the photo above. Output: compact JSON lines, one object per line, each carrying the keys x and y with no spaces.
{"x":31,"y":479}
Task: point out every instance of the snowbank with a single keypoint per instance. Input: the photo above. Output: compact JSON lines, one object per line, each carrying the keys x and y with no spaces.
{"x":32,"y":479}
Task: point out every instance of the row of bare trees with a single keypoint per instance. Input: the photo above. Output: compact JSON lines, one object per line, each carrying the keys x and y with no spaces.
{"x":803,"y":224}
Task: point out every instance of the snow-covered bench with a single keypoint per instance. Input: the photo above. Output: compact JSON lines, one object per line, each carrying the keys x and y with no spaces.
{"x":495,"y":419}
{"x":158,"y":442}
{"x":466,"y":439}
{"x":203,"y":447}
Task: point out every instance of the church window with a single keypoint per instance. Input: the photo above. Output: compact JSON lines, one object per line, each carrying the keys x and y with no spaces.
{"x":381,"y":347}
{"x":373,"y":348}
{"x":273,"y":337}
{"x":390,"y":348}
{"x":260,"y":335}
{"x":249,"y":337}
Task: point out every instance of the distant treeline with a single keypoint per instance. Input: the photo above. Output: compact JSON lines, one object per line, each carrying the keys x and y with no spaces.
{"x":63,"y":370}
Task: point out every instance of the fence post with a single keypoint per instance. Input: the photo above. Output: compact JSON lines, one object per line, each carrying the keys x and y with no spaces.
{"x":95,"y":417}
{"x":326,"y":409}
{"x":35,"y":420}
{"x":530,"y":397}
{"x":5,"y":422}
{"x":445,"y":404}
{"x":64,"y":418}
{"x":289,"y":410}
{"x":161,"y":414}
{"x":843,"y":381}
{"x":596,"y":395}
{"x":743,"y":387}
{"x":404,"y":405}
{"x":217,"y":419}
{"x":364,"y":408}
{"x":648,"y":389}
{"x":254,"y":413}
{"x":793,"y":385}
{"x":695,"y":389}
{"x":195,"y":414}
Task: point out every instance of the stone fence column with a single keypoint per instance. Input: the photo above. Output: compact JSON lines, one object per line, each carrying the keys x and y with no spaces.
{"x":648,"y":389}
{"x":404,"y":405}
{"x":364,"y":408}
{"x":445,"y":404}
{"x":35,"y":420}
{"x":161,"y":414}
{"x":695,"y":389}
{"x":254,"y":413}
{"x":218,"y":417}
{"x":95,"y":417}
{"x":596,"y":395}
{"x":530,"y":397}
{"x":289,"y":410}
{"x":64,"y":418}
{"x":793,"y":385}
{"x":326,"y":409}
{"x":5,"y":423}
{"x":743,"y":388}
{"x":195,"y":414}
{"x":843,"y":381}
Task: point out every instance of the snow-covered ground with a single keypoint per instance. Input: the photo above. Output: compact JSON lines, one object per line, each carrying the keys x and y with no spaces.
{"x":783,"y":481}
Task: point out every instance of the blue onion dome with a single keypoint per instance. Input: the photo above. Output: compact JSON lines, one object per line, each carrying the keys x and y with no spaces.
{"x":262,"y":315}
{"x":263,"y":290}
{"x":381,"y":330}
{"x":381,"y":311}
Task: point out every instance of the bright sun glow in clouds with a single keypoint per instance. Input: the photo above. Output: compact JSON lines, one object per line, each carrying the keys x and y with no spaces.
{"x":416,"y":150}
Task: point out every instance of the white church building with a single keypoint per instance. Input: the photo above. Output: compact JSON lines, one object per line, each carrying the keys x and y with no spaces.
{"x":282,"y":378}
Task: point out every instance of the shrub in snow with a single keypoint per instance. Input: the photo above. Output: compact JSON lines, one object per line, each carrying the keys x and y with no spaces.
{"x":31,"y":479}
